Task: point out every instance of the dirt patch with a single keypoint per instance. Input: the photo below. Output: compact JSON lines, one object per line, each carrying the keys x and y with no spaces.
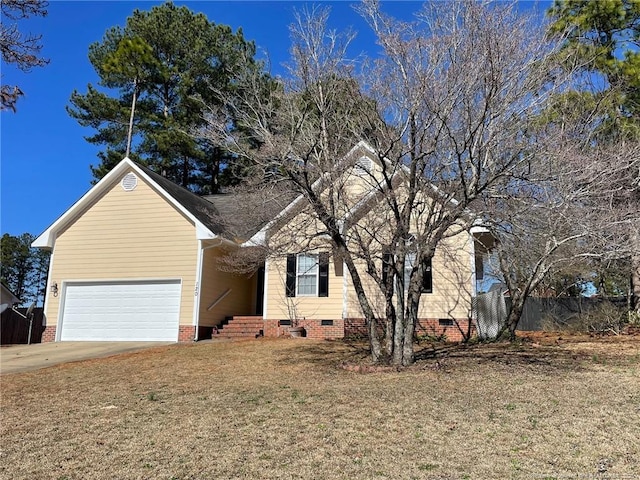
{"x":287,"y":409}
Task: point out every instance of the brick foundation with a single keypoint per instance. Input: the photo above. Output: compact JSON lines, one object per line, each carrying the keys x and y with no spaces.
{"x":438,"y":328}
{"x":357,"y":327}
{"x":49,"y":334}
{"x":349,"y":327}
{"x":186,"y":333}
{"x":313,"y":328}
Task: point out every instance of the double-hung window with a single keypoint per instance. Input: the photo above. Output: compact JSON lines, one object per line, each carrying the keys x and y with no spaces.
{"x":427,"y":277}
{"x":308,"y":275}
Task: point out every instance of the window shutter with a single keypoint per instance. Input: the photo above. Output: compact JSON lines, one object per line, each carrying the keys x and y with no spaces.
{"x":323,"y":273}
{"x":387,"y":261}
{"x":291,"y":275}
{"x":479,"y":267}
{"x":427,"y":278}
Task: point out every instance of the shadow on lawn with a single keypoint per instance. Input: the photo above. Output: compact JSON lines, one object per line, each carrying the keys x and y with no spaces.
{"x":555,"y":357}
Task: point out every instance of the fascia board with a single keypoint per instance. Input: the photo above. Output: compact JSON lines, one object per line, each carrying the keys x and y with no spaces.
{"x":47,"y":238}
{"x":259,"y":238}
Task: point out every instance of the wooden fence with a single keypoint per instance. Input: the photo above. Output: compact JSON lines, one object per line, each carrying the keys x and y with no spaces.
{"x":14,"y":327}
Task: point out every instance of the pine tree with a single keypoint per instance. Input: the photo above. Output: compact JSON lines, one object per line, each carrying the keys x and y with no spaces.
{"x":162,"y":65}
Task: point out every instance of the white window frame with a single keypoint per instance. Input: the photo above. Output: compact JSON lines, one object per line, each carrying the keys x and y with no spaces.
{"x":409,"y":260}
{"x":316,"y":258}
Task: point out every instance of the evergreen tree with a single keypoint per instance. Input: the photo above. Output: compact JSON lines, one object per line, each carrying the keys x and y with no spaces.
{"x":602,"y":38}
{"x":162,"y":66}
{"x":24,"y":269}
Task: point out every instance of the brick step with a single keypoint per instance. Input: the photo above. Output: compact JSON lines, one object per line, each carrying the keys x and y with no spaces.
{"x":245,"y":322}
{"x":226,"y":334}
{"x":241,"y":327}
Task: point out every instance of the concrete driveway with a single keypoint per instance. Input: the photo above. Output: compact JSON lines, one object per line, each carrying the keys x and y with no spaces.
{"x":23,"y":358}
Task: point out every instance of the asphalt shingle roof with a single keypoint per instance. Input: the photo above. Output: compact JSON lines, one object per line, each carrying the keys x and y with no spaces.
{"x":199,"y":207}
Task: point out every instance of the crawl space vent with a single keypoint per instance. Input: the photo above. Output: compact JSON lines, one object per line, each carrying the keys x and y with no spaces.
{"x":129,"y":182}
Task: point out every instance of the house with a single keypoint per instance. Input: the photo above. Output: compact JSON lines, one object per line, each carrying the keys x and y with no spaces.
{"x":8,"y":299}
{"x":139,"y":258}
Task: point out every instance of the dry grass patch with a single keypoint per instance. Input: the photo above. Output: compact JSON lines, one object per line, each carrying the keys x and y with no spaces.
{"x":284,"y":409}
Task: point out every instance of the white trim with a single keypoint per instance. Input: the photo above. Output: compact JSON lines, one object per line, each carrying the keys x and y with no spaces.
{"x":265,"y":297}
{"x":198,"y":289}
{"x":474,"y":288}
{"x":345,"y":290}
{"x":259,"y":237}
{"x":47,"y":293}
{"x":479,"y":229}
{"x":317,"y":289}
{"x":47,"y":238}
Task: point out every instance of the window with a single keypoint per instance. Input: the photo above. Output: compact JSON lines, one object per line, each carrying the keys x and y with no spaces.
{"x":362,"y":166}
{"x":307,"y":275}
{"x":427,"y":277}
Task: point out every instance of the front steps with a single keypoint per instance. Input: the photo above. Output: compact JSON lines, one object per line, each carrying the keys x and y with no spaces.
{"x":240,"y":327}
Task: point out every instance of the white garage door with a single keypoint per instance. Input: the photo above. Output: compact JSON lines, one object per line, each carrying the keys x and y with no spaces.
{"x":120,"y":311}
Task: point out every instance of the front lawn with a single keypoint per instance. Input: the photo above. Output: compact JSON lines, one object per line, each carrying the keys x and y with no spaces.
{"x":280,"y":409}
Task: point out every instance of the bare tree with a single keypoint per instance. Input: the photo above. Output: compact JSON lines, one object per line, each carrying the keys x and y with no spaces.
{"x":572,"y":210}
{"x":445,"y":109}
{"x":21,"y":50}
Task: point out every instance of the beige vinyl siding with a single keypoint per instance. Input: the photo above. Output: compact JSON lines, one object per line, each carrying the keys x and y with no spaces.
{"x":281,"y":307}
{"x":239,"y":301}
{"x":127,"y":235}
{"x":452,"y":283}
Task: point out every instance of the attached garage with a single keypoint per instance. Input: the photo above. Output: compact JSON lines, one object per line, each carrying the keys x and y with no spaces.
{"x":121,"y":311}
{"x":127,"y":261}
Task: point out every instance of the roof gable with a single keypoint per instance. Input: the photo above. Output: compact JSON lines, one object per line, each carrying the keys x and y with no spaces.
{"x":203,"y":214}
{"x":354,"y":156}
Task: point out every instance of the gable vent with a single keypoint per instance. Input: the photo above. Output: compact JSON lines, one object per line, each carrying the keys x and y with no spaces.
{"x":362,"y":166}
{"x":129,"y":182}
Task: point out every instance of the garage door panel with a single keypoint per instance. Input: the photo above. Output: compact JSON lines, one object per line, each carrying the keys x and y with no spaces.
{"x":121,"y":311}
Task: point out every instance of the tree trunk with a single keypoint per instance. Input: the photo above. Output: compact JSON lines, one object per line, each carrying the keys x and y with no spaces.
{"x":515,"y":314}
{"x":131,"y":117}
{"x":635,"y":283}
{"x":185,"y":172}
{"x":399,"y":330}
{"x":390,"y":312}
{"x":411,"y":319}
{"x":374,"y":341}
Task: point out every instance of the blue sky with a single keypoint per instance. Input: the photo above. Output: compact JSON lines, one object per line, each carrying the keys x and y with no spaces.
{"x":44,"y":157}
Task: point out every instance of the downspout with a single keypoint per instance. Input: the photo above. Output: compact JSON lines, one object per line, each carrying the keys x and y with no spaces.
{"x":265,"y":296}
{"x":198,"y":290}
{"x":47,"y":294}
{"x":474,"y":282}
